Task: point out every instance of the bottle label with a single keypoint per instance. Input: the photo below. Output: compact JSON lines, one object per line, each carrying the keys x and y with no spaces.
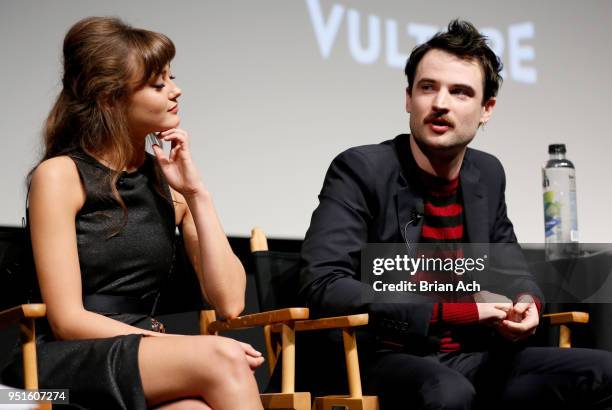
{"x":560,"y":210}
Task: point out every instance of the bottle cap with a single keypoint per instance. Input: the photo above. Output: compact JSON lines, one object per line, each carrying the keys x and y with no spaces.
{"x":556,"y":149}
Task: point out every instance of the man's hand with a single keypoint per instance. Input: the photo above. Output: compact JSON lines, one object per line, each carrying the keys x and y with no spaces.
{"x":522,"y":320}
{"x":492,"y":308}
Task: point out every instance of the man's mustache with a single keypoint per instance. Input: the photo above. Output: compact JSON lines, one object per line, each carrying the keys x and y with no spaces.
{"x":438,"y":119}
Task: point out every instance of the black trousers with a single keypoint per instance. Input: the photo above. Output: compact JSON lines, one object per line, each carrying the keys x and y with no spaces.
{"x":529,"y":378}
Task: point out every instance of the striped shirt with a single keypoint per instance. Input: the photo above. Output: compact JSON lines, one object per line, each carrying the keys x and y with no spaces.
{"x":443,"y":223}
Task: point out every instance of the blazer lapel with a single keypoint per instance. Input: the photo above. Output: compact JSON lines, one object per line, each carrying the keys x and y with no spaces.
{"x":409,"y":203}
{"x":475,"y":204}
{"x":409,"y":199}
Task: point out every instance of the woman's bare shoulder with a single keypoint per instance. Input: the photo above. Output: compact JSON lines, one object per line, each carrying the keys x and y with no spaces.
{"x":57,"y":178}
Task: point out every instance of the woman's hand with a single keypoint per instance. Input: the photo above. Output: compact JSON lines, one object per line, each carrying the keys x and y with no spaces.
{"x":178,"y":167}
{"x":254,"y":358}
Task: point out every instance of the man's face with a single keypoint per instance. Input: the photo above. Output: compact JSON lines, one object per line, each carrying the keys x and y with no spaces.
{"x":445,"y":104}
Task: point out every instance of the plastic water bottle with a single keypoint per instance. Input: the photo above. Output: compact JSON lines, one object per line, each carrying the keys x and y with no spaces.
{"x":560,"y":210}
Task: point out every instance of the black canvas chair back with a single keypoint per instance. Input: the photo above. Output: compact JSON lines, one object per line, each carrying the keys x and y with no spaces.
{"x":276,"y":278}
{"x":18,"y":283}
{"x":581,"y":284}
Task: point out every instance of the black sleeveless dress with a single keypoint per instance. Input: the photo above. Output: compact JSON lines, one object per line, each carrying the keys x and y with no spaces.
{"x":124,"y":260}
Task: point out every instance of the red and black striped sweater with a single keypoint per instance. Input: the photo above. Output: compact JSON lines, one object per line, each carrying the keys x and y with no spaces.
{"x":443,"y":223}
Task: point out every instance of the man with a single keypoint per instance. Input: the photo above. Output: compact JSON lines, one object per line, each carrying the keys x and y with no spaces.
{"x":428,"y":187}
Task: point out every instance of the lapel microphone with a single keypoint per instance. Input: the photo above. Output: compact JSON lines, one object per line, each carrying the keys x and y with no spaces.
{"x":417,"y":213}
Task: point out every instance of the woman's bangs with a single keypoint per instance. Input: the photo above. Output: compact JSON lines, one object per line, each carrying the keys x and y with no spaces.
{"x":153,"y":52}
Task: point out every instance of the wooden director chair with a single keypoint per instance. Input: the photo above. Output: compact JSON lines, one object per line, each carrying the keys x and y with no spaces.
{"x":284,"y":321}
{"x":276,"y":275}
{"x":279,"y":327}
{"x":13,"y":254}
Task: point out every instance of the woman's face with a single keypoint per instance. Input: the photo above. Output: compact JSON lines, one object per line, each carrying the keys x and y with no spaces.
{"x":154,"y":107}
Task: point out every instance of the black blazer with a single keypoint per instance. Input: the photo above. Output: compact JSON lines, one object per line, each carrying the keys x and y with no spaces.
{"x":370,"y":194}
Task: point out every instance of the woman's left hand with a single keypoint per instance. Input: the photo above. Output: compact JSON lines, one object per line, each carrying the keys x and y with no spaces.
{"x":178,"y":167}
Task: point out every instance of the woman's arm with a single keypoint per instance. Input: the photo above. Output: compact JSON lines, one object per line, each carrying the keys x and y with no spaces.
{"x":221,"y":274}
{"x":56,"y":195}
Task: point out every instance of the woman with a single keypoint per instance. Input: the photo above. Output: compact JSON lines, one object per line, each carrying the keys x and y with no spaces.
{"x":103,"y":214}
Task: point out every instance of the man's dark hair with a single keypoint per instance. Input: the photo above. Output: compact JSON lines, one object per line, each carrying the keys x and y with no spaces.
{"x":464,"y":41}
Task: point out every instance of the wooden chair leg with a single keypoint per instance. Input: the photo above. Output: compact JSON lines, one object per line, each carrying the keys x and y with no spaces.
{"x":270,"y":348}
{"x":346,"y":403}
{"x":355,"y":400}
{"x":288,"y":353}
{"x":565,"y":336}
{"x":27,"y":331}
{"x":206,"y":317}
{"x":288,"y":398}
{"x":352,"y":362}
{"x":293,"y":401}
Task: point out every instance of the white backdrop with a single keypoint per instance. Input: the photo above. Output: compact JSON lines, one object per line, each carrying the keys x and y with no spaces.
{"x":274,"y":89}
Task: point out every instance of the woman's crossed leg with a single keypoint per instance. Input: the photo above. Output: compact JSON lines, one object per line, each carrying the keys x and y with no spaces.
{"x":218,"y":370}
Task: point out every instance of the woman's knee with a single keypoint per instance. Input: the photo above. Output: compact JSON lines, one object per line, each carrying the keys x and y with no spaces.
{"x":191,"y":365}
{"x":227,"y":357}
{"x":229,"y":351}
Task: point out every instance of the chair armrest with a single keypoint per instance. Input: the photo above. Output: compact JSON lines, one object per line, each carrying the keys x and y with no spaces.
{"x":332,"y":322}
{"x":260,"y":319}
{"x":336,"y":322}
{"x":566,"y":318}
{"x":13,"y":315}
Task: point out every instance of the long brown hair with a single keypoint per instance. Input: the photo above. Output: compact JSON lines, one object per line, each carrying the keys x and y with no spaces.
{"x":104,"y":61}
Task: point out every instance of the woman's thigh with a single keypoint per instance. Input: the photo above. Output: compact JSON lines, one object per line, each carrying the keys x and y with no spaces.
{"x":186,"y":404}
